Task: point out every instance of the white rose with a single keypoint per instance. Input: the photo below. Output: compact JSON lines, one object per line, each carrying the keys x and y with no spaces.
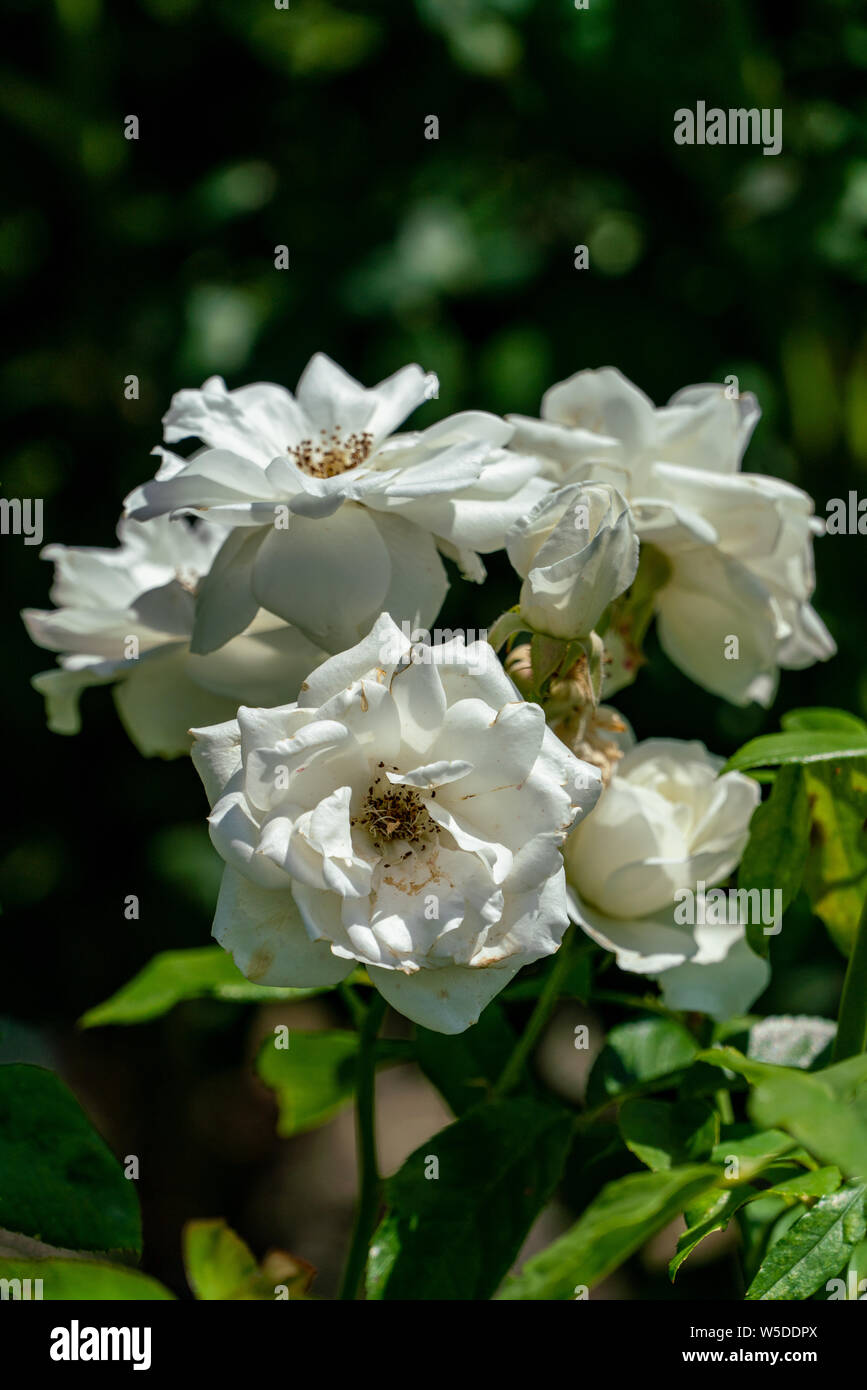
{"x":576,"y":550}
{"x":125,"y":617}
{"x":668,"y":822}
{"x":332,"y":520}
{"x":739,"y":545}
{"x":407,"y":813}
{"x":596,"y":415}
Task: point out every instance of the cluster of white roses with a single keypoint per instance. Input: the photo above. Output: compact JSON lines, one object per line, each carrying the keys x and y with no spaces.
{"x":420,"y":816}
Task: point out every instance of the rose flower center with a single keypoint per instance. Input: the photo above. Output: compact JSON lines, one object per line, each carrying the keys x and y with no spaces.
{"x":331,"y":453}
{"x":390,"y":812}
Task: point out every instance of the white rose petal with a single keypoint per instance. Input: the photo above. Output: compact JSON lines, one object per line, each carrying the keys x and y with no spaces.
{"x":668,"y":822}
{"x":408,"y":812}
{"x":345,"y":518}
{"x":576,"y":550}
{"x":739,"y":545}
{"x":129,"y":617}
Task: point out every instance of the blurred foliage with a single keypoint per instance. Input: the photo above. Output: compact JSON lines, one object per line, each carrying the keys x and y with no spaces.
{"x":262,"y":126}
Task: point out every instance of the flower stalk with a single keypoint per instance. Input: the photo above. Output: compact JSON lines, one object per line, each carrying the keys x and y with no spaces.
{"x":368,"y":1166}
{"x":510,"y":1074}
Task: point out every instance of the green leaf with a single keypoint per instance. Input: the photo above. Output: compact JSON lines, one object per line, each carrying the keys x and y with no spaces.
{"x":805,"y":1186}
{"x":806,"y":1105}
{"x":665,"y":1135}
{"x":623,"y":1217}
{"x":846,"y":1079}
{"x":776,"y":850}
{"x":638,"y":1054}
{"x":798,"y":746}
{"x":823,"y":718}
{"x":84,"y":1280}
{"x":815,"y":1249}
{"x":174,"y":976}
{"x":220,"y":1267}
{"x":464,"y":1065}
{"x":454,"y":1235}
{"x":597,"y":1156}
{"x":835,"y":877}
{"x":732,"y":1060}
{"x":752,"y":1153}
{"x":855,"y":1274}
{"x":761,"y":1222}
{"x":717,"y":1210}
{"x":799,"y":1103}
{"x":383,"y":1255}
{"x":60,"y":1181}
{"x":312,"y":1077}
{"x":218,"y":1263}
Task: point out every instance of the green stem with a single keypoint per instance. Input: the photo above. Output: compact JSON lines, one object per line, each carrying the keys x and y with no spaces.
{"x":667,"y":1082}
{"x":634,"y":1001}
{"x":852,"y":1020}
{"x":538,"y":1018}
{"x":353,"y":1004}
{"x":368,"y":1171}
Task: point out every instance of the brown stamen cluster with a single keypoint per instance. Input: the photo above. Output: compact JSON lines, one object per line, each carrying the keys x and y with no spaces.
{"x":588,"y":735}
{"x":392,"y":812}
{"x":331,"y":454}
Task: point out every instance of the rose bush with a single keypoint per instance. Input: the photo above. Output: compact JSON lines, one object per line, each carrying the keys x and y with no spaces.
{"x":396,"y":817}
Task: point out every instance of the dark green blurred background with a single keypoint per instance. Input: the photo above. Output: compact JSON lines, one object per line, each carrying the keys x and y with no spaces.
{"x":305,"y":127}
